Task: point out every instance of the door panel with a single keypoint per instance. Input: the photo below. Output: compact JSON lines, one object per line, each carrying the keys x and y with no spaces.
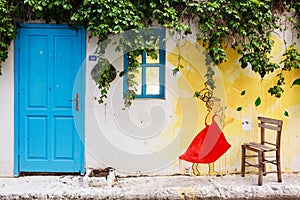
{"x":36,"y":137}
{"x":64,"y":138}
{"x":37,"y":82}
{"x":63,"y":76}
{"x":49,"y":61}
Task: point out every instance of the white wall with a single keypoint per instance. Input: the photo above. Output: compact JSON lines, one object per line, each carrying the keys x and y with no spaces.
{"x":7,"y":116}
{"x":142,"y":139}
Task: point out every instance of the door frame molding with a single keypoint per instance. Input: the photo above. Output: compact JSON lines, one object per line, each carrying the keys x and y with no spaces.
{"x":80,"y":126}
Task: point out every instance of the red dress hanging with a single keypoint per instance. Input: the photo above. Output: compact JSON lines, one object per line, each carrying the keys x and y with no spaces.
{"x":209,"y":145}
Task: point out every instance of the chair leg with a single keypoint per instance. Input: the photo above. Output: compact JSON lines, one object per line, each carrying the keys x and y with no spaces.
{"x":263,"y":164}
{"x":278,"y":166}
{"x":243,"y":161}
{"x":260,"y":168}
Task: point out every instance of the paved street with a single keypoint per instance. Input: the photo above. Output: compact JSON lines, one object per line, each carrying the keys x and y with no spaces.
{"x":158,"y":187}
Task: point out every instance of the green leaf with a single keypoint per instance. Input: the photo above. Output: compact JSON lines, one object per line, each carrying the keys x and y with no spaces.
{"x":257,"y":101}
{"x":239,"y":108}
{"x":243,"y":92}
{"x":122,"y":73}
{"x":296,"y":82}
{"x":286,"y":113}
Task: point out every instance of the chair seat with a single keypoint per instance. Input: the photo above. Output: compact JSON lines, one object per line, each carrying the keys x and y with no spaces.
{"x":259,"y":146}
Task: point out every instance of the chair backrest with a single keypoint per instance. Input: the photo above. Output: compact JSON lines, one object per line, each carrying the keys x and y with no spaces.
{"x":271,"y":124}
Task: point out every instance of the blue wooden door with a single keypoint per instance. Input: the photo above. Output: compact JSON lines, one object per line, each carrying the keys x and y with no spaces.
{"x":49,"y":139}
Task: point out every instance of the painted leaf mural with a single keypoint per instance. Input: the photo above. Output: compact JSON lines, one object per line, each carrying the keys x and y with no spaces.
{"x":286,"y":113}
{"x":257,"y":101}
{"x":296,"y":82}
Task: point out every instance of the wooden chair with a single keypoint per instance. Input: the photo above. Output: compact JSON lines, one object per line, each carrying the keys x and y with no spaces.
{"x":260,"y":149}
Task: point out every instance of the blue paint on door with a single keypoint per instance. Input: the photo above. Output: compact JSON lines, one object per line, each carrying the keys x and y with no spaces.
{"x":48,"y":61}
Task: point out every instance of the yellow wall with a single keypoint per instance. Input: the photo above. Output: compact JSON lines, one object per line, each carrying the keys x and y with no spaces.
{"x":231,"y":80}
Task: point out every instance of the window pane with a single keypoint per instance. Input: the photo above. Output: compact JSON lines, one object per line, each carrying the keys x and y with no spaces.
{"x":154,"y":42}
{"x":152,"y":80}
{"x":138,"y":79}
{"x":150,"y":59}
{"x":139,"y":59}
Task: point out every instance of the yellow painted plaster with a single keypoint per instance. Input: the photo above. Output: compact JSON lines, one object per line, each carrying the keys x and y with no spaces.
{"x":231,"y":80}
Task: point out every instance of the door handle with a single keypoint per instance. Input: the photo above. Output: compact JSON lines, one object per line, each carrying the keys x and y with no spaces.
{"x":76,"y":101}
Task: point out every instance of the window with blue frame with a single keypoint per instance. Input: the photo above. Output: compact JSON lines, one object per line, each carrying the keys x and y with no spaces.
{"x":150,"y":75}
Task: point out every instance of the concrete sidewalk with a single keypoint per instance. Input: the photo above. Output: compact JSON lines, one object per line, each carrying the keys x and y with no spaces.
{"x":158,"y":187}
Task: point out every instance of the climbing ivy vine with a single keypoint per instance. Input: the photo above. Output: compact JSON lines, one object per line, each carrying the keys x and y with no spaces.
{"x":7,"y":30}
{"x":244,"y":25}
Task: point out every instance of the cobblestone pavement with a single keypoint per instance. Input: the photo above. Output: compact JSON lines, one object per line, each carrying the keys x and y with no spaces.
{"x":157,"y":187}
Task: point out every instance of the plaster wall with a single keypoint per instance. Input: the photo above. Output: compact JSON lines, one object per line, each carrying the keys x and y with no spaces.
{"x":7,"y":116}
{"x":148,"y":137}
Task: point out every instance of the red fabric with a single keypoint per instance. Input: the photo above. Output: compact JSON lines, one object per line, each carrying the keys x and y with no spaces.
{"x":209,"y":145}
